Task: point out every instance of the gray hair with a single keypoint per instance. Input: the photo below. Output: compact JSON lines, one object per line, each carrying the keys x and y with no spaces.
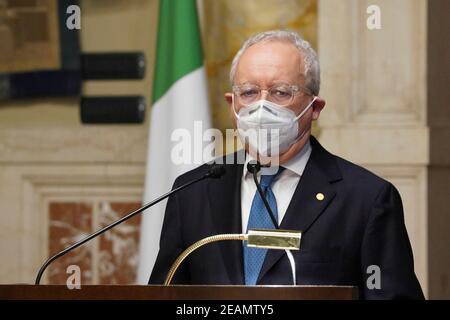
{"x":312,"y":68}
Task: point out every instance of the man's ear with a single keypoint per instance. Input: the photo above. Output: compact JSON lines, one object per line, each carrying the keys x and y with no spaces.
{"x":229,"y":98}
{"x":317,"y":107}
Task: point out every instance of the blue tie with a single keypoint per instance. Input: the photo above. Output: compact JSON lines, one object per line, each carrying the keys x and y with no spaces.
{"x":259,"y":219}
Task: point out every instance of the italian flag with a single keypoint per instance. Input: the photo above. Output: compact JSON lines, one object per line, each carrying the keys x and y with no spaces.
{"x":179,"y":99}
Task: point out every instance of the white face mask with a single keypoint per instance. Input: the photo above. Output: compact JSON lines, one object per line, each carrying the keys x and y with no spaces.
{"x":269,"y":128}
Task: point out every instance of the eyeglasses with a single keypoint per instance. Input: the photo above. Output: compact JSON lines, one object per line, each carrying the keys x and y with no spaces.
{"x":282,"y":93}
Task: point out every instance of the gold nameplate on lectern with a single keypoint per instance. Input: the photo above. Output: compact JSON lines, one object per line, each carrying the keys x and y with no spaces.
{"x":274,"y":239}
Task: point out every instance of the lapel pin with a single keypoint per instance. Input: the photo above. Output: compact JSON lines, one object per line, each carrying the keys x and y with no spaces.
{"x":320,"y":196}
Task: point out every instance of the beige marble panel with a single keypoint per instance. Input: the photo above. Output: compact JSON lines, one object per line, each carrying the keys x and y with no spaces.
{"x":338,"y":69}
{"x":374,"y":82}
{"x":74,"y":144}
{"x":373,"y":76}
{"x":25,"y":193}
{"x":378,"y":145}
{"x":390,"y":83}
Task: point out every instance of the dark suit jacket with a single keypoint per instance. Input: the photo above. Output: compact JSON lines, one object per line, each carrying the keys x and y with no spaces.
{"x":359,"y":223}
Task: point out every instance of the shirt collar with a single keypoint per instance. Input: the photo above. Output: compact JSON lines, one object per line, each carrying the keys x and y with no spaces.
{"x":296,"y":164}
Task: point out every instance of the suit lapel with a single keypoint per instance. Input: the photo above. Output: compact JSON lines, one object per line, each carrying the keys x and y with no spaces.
{"x":307,"y":204}
{"x":225,"y":207}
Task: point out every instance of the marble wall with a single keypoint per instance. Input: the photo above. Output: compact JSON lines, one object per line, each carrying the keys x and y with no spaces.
{"x":56,"y":186}
{"x":388,"y":109}
{"x":110,"y":259}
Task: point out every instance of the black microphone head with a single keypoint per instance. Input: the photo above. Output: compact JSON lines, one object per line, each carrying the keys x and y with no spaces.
{"x":216,"y":171}
{"x":253,"y":166}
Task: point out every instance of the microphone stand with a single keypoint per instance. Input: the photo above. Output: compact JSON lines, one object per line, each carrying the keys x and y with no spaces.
{"x":254,"y":168}
{"x":216,"y":171}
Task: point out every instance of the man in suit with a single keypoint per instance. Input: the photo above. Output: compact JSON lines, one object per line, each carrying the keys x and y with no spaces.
{"x":352,"y":220}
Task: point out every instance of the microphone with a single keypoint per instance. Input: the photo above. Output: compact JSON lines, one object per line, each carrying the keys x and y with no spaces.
{"x":215,"y":171}
{"x":254,"y":167}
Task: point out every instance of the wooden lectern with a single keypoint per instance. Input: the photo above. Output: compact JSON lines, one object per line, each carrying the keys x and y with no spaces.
{"x":176,"y":292}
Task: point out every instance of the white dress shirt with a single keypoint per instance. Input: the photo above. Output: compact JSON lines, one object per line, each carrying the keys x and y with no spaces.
{"x":283,"y":186}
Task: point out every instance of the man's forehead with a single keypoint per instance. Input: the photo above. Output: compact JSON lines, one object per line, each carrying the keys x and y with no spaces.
{"x":276,"y":58}
{"x":274,"y":48}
